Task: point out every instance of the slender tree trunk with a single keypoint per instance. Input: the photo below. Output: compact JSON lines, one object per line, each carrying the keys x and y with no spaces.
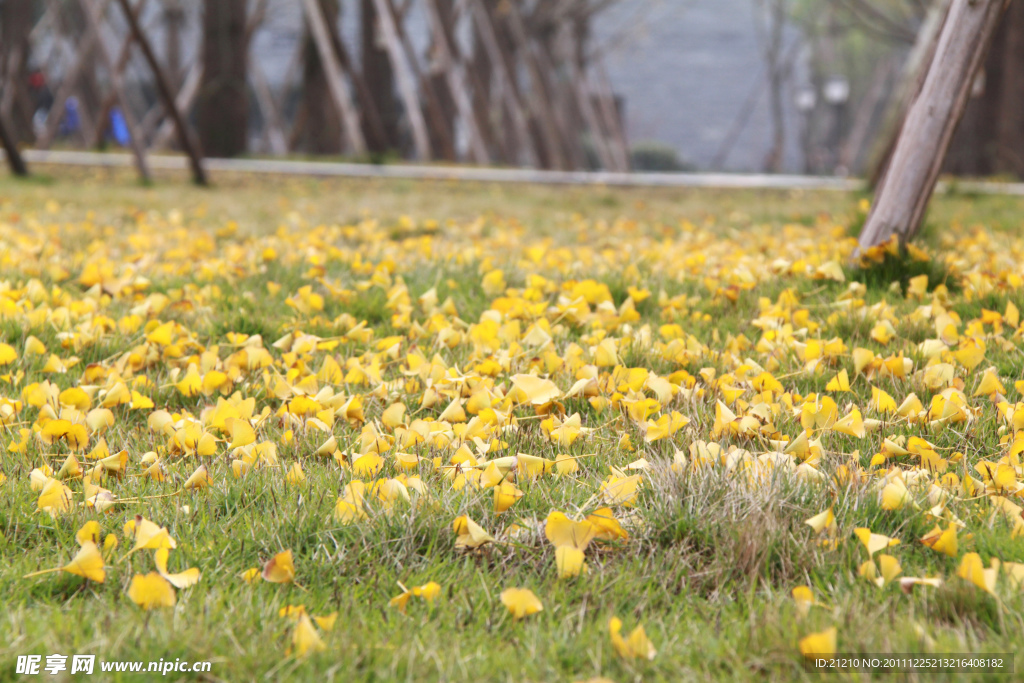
{"x":186,"y":136}
{"x":776,"y":23}
{"x":904,"y":193}
{"x":322,"y":125}
{"x":223,"y":106}
{"x":174,"y":19}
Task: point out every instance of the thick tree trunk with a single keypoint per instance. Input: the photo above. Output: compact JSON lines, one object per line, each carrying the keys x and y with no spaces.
{"x":10,"y":147}
{"x":482,"y":70}
{"x":380,"y":79}
{"x":15,"y":26}
{"x":223,"y":106}
{"x":1010,"y":159}
{"x":444,"y":130}
{"x":904,"y":193}
{"x":322,"y":125}
{"x":990,"y":138}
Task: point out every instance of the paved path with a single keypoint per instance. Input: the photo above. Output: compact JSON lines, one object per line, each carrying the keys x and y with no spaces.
{"x":494,"y":175}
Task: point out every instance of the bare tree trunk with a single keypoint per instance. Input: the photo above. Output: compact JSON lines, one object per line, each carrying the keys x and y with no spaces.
{"x":380,"y":80}
{"x":482,"y":71}
{"x":1010,"y":127}
{"x":15,"y":26}
{"x":14,"y":159}
{"x":223,"y":106}
{"x":322,"y":125}
{"x":989,"y":139}
{"x":435,"y":72}
{"x":186,"y":136}
{"x":906,"y":91}
{"x":174,"y":19}
{"x":94,"y":18}
{"x":904,"y":193}
{"x":776,"y":23}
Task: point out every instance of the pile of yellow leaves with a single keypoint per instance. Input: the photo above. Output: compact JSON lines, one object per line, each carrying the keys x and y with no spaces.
{"x":409,"y":396}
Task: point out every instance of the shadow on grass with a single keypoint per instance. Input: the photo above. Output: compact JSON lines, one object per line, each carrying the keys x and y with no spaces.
{"x":901,"y":269}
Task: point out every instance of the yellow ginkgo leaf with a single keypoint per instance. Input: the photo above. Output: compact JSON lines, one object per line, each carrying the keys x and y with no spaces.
{"x":191,"y":384}
{"x":74,"y":435}
{"x":505,"y":496}
{"x":564,"y":532}
{"x":874,"y":542}
{"x":242,"y":433}
{"x":33,"y":346}
{"x":536,"y":390}
{"x":942,"y":541}
{"x":199,"y":479}
{"x":87,"y":563}
{"x":819,"y":644}
{"x":149,"y":536}
{"x":250,"y":575}
{"x":428,"y":591}
{"x":89,"y":533}
{"x":803,"y":597}
{"x":882,"y":402}
{"x":621,"y":490}
{"x":889,"y":568}
{"x":326,"y":623}
{"x":295,"y":474}
{"x":989,"y":384}
{"x":151,"y":590}
{"x":470,"y":534}
{"x":606,"y":526}
{"x":823,"y":521}
{"x":187,"y":578}
{"x":841,"y":382}
{"x":280,"y":568}
{"x":894,"y":495}
{"x":7,"y":354}
{"x":820,"y":413}
{"x":636,"y":646}
{"x":54,"y":498}
{"x":521,"y":602}
{"x":971,"y":569}
{"x":569,"y":562}
{"x":305,"y":639}
{"x":852,"y":425}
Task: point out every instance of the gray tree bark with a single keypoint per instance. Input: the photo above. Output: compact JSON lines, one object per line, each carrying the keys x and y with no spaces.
{"x":223,"y":106}
{"x":380,"y":80}
{"x":322,"y":124}
{"x":15,"y":26}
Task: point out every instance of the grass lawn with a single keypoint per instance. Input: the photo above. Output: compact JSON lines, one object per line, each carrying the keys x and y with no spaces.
{"x":405,"y":385}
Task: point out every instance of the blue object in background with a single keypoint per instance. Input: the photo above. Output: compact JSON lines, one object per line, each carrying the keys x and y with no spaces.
{"x":71,"y":121}
{"x":118,"y":127}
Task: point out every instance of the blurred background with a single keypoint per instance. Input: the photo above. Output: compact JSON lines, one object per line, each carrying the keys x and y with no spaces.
{"x":796,"y":86}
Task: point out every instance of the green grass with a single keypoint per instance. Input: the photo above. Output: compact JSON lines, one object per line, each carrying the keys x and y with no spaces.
{"x":710,"y":561}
